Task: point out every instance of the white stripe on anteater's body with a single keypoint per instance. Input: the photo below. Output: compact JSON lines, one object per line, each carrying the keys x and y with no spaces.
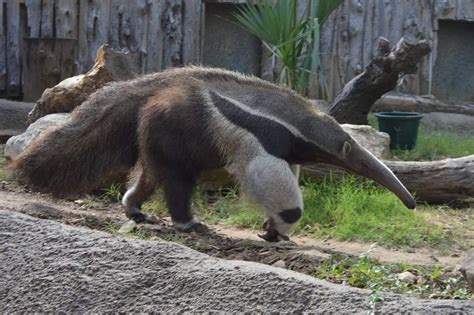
{"x":265,"y":178}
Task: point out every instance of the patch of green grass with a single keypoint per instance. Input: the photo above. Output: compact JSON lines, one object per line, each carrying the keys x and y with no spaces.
{"x":156,"y":204}
{"x":113,"y":193}
{"x":3,"y":163}
{"x":137,"y":233}
{"x":345,"y":210}
{"x":353,"y":209}
{"x":434,"y":144}
{"x":365,"y":272}
{"x":437,"y":144}
{"x":458,"y":224}
{"x":224,"y":206}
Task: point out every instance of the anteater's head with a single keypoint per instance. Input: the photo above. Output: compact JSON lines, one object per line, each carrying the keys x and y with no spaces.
{"x":320,"y":139}
{"x":326,"y":142}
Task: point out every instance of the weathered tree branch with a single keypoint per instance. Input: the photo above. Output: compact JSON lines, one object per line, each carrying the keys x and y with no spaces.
{"x":420,"y":103}
{"x":355,"y":101}
{"x":444,"y":181}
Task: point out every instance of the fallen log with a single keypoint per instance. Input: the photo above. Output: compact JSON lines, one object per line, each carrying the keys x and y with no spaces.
{"x":448,"y":181}
{"x":395,"y":101}
{"x":356,"y":99}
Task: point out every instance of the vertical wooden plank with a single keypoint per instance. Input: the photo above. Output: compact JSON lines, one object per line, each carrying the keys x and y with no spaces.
{"x":135,"y":22}
{"x":3,"y":60}
{"x":154,"y":39}
{"x":427,"y":14}
{"x":301,"y":8}
{"x":98,"y":24}
{"x":82,"y":43}
{"x":191,"y":32}
{"x":66,"y":18}
{"x":344,"y":45}
{"x":356,"y":25}
{"x":13,"y":48}
{"x":118,"y":26}
{"x":33,"y":11}
{"x":172,"y":17}
{"x":461,"y":9}
{"x":380,"y":18}
{"x":202,"y":33}
{"x":327,"y":48}
{"x":367,"y":37}
{"x":396,"y":20}
{"x":47,"y":61}
{"x":471,"y":11}
{"x":47,"y":17}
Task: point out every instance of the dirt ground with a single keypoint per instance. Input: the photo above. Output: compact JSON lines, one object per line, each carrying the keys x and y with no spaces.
{"x":302,"y":254}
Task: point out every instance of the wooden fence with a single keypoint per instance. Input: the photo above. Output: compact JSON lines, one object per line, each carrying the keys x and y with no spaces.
{"x":59,"y":38}
{"x":164,"y":32}
{"x":349,"y":37}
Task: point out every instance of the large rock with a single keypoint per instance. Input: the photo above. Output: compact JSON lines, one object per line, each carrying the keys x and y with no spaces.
{"x":13,"y":117}
{"x":378,"y":143}
{"x":449,"y":121}
{"x":467,"y":269}
{"x":110,"y":65}
{"x":15,"y":145}
{"x":48,"y":267}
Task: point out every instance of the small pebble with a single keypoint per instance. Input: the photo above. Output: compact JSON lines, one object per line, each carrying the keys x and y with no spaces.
{"x":127,"y":227}
{"x":407,"y":277}
{"x":279,"y":263}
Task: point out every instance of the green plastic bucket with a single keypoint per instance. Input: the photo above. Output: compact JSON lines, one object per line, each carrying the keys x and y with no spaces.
{"x":402,"y":128}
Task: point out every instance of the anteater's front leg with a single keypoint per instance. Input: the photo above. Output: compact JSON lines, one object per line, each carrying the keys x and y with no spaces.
{"x":270,"y":182}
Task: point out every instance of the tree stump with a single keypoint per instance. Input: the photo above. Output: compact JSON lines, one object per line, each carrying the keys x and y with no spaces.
{"x":110,"y":65}
{"x":355,"y":101}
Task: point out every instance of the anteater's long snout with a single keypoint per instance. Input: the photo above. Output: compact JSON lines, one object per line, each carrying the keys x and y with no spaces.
{"x":364,"y":163}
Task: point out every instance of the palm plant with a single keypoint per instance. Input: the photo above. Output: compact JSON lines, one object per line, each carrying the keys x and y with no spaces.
{"x":292,"y":39}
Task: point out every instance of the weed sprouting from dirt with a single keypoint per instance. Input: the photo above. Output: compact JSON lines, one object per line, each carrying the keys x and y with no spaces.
{"x":365,"y":272}
{"x":3,"y":163}
{"x":113,"y":193}
{"x":138,"y":233}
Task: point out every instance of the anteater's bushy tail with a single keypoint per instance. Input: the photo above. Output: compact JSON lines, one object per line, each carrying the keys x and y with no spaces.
{"x":95,"y":144}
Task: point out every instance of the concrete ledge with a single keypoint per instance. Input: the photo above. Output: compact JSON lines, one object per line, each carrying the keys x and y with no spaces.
{"x":50,"y":267}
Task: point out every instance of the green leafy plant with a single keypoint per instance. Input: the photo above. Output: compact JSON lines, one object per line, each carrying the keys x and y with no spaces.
{"x":369,"y":273}
{"x":113,"y":193}
{"x":292,"y":39}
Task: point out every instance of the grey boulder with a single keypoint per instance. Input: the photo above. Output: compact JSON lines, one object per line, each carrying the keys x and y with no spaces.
{"x":15,"y":145}
{"x":467,"y":269}
{"x":48,"y":267}
{"x":13,"y":116}
{"x":378,"y":143}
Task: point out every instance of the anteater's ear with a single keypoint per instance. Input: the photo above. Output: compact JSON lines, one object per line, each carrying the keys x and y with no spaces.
{"x":346,"y":149}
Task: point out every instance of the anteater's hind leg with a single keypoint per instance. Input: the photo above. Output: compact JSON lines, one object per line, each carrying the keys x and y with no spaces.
{"x":178,"y":186}
{"x":142,"y":187}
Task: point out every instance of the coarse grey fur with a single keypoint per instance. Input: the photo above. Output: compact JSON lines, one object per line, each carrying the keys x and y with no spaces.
{"x":172,"y":125}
